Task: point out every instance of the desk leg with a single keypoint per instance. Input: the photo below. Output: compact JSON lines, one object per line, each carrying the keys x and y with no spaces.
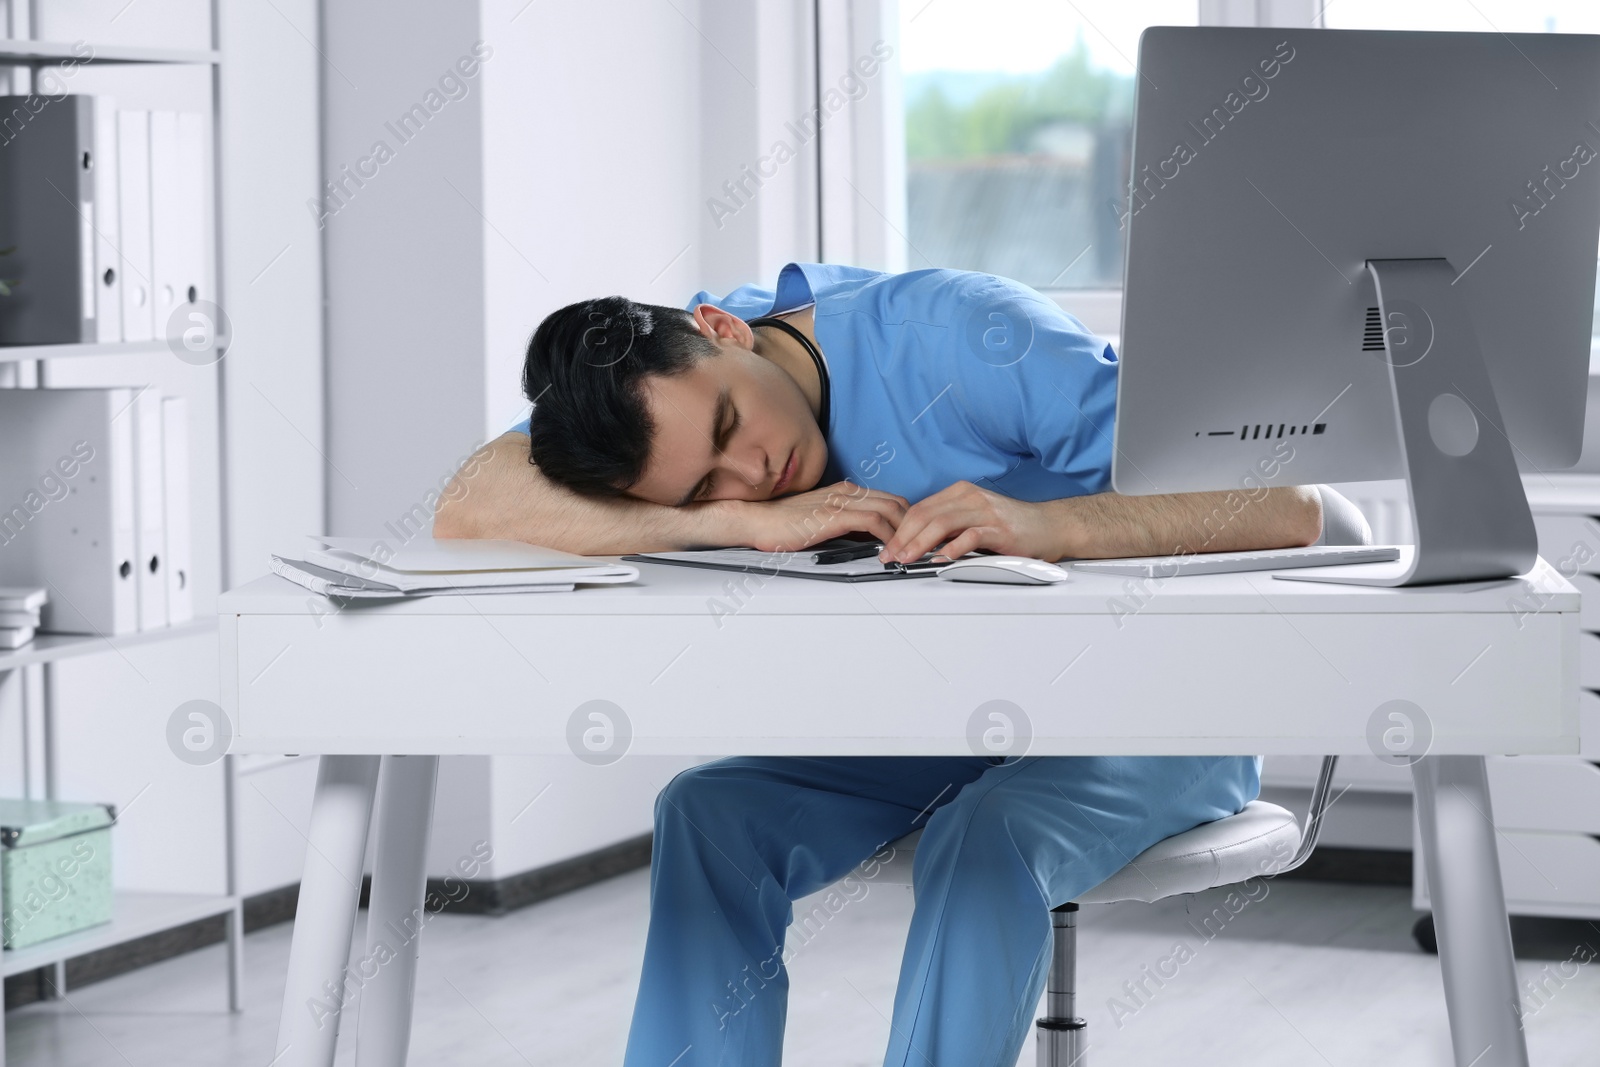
{"x":1469,"y":911}
{"x":395,"y":914}
{"x":330,"y":892}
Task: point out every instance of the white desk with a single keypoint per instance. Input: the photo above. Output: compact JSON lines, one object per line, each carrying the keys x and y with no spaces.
{"x":1225,"y":664}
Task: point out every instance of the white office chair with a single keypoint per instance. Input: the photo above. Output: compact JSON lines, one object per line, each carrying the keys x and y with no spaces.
{"x":1214,"y":854}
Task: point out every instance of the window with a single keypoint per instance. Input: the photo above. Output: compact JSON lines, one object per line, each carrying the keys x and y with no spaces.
{"x":1018,"y":133}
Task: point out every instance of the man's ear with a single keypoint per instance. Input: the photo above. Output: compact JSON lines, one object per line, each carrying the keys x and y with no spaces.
{"x":715,"y":324}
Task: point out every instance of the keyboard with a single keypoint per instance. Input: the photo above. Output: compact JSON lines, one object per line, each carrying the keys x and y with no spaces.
{"x":1272,"y":559}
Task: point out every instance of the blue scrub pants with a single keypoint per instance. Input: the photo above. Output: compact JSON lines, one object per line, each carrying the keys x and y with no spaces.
{"x":738,"y":840}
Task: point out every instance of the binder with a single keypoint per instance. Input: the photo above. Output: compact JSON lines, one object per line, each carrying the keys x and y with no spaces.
{"x":191,"y":235}
{"x":175,"y":488}
{"x":107,"y":267}
{"x":66,"y":484}
{"x":150,"y":510}
{"x":167,"y":211}
{"x":133,"y":205}
{"x":47,"y":191}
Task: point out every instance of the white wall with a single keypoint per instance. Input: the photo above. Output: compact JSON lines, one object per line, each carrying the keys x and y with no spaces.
{"x":404,"y":255}
{"x":590,"y":168}
{"x":756,"y":91}
{"x":272,"y":281}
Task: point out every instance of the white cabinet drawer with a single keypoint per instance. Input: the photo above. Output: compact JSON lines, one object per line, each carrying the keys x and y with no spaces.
{"x":1589,"y":586}
{"x":1571,"y":543}
{"x":1589,"y":661}
{"x":1543,"y":874}
{"x":1550,"y":870}
{"x":1545,"y":793}
{"x":1589,"y":724}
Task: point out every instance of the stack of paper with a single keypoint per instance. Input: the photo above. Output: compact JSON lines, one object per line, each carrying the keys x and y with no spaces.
{"x":19,"y":614}
{"x":372,"y":567}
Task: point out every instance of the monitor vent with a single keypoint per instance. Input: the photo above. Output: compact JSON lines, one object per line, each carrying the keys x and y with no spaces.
{"x":1372,"y":333}
{"x":1257,"y":431}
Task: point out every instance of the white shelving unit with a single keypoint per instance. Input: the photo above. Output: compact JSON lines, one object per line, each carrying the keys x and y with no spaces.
{"x":47,"y":648}
{"x":1547,"y":808}
{"x":135,"y":914}
{"x":32,"y":353}
{"x":35,"y":53}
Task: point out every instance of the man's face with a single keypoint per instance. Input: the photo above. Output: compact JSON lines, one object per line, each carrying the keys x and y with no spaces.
{"x":733,"y":427}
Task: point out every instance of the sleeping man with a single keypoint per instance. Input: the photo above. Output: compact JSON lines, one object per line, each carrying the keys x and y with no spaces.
{"x":927,"y":409}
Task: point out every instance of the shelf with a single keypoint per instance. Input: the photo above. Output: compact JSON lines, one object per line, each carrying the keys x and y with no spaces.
{"x":27,"y":353}
{"x":48,"y":647}
{"x":15,"y":53}
{"x":133,"y":915}
{"x":256,"y":762}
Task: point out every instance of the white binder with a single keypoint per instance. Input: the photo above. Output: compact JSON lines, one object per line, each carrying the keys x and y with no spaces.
{"x":179,"y":566}
{"x":107,"y":268}
{"x":66,"y":475}
{"x":167,"y":211}
{"x":150,"y":510}
{"x":193,"y":277}
{"x":133,"y":204}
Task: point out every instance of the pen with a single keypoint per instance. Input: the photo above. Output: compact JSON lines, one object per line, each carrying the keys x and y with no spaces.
{"x":851,"y":552}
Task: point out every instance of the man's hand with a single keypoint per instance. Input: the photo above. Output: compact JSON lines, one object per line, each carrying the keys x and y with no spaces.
{"x":970,"y":518}
{"x":790,"y":523}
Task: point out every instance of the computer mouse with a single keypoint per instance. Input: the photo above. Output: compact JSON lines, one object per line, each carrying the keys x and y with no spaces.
{"x":1005,"y":570}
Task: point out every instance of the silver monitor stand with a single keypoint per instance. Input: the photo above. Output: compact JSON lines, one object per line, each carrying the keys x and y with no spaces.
{"x":1468,"y":507}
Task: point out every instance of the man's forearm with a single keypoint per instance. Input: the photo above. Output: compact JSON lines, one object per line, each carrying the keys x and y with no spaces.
{"x":1109,"y":525}
{"x":501,"y":495}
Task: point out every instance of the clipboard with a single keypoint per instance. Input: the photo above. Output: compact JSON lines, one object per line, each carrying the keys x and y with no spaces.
{"x":795,"y":564}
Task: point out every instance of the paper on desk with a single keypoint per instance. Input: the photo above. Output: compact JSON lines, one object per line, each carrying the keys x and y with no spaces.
{"x":336,"y":583}
{"x":427,"y":555}
{"x":360,"y":566}
{"x":427,"y":564}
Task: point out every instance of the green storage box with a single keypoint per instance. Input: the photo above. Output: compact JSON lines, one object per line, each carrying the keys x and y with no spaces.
{"x":55,"y":868}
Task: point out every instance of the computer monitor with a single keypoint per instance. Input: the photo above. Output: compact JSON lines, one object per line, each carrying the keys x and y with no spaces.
{"x":1359,"y":255}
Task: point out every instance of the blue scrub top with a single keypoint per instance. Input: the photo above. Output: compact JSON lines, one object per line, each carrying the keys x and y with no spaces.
{"x":940,"y":376}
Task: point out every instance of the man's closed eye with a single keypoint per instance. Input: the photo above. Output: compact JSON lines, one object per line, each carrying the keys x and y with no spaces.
{"x":729,"y":419}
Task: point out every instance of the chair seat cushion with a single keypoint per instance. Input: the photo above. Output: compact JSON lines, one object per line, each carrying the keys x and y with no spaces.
{"x":1258,"y":840}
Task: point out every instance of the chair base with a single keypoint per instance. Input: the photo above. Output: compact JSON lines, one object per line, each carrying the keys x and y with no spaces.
{"x":1062,"y":1042}
{"x":1063,"y":1038}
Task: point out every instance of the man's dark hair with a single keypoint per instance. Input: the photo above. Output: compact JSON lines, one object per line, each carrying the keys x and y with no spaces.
{"x":585,"y":374}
